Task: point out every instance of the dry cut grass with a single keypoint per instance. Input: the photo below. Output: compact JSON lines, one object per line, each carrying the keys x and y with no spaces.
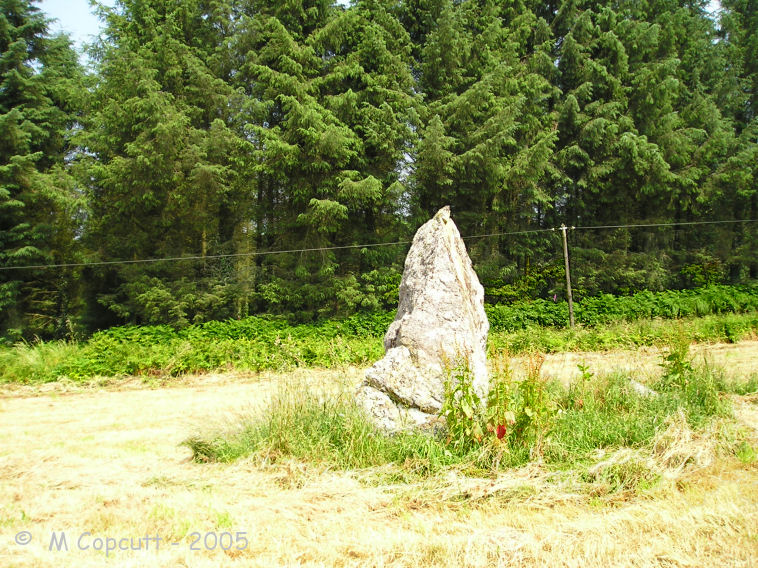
{"x":110,"y":463}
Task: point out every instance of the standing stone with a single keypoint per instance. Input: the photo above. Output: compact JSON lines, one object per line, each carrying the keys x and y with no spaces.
{"x":440,"y":323}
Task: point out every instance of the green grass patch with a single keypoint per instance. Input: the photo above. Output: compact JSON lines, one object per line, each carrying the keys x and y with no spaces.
{"x":319,"y":428}
{"x":528,"y":420}
{"x":746,"y":453}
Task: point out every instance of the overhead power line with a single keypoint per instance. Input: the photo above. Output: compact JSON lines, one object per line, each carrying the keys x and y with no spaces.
{"x":668,"y":224}
{"x":241,"y":254}
{"x":509,"y":233}
{"x":342,"y":247}
{"x":198,"y":257}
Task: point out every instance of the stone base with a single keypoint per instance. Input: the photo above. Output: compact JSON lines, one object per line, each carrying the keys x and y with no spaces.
{"x":391,"y":416}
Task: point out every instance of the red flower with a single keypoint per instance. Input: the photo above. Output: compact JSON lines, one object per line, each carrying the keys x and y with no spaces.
{"x":500,"y":431}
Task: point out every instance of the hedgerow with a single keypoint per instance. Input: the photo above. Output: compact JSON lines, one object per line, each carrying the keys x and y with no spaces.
{"x":606,"y":309}
{"x":260,"y":343}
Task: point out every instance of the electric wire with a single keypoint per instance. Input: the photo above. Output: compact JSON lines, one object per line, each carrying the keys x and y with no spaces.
{"x":197,"y":257}
{"x":667,"y":224}
{"x":345,"y":247}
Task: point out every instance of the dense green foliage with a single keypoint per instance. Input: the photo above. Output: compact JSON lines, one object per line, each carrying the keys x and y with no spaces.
{"x":259,"y":343}
{"x":224,"y":130}
{"x":606,"y":308}
{"x":40,"y":97}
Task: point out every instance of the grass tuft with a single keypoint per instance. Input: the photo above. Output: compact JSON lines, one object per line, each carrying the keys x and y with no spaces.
{"x":325,"y":428}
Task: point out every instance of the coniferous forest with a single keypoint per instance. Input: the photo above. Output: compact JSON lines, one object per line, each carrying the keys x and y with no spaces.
{"x":216,"y":132}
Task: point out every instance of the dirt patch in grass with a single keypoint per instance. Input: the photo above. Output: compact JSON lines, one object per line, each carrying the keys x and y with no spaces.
{"x":109,"y":462}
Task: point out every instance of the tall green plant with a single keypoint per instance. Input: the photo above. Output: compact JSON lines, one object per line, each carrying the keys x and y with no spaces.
{"x":462,"y":410}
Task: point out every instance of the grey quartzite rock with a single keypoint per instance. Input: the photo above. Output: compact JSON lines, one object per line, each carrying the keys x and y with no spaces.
{"x":440,"y":323}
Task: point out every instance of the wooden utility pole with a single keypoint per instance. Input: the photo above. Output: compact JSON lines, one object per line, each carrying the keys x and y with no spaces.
{"x":568,"y":275}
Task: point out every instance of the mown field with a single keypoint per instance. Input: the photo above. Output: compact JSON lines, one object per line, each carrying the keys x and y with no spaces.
{"x":668,"y":482}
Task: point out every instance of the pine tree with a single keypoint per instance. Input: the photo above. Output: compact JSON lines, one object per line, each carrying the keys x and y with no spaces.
{"x":640,"y":131}
{"x":740,"y":26}
{"x":489,"y":126}
{"x":329,"y":115}
{"x":732,"y":190}
{"x":40,"y":89}
{"x":167,"y":170}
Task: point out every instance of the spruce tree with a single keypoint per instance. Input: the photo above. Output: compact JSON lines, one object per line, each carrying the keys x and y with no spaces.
{"x":40,"y":89}
{"x":732,"y":189}
{"x":488,"y":128}
{"x":167,"y":170}
{"x":329,"y":114}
